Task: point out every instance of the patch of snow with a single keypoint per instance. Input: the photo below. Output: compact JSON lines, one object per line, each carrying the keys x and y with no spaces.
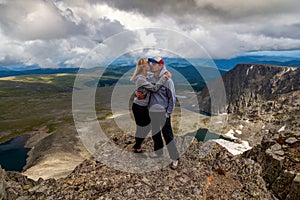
{"x":293,"y":68}
{"x":247,"y":121}
{"x":181,"y":97}
{"x":234,"y":148}
{"x":241,"y":126}
{"x":223,"y":114}
{"x":281,"y":129}
{"x":238,"y":132}
{"x":219,"y":122}
{"x":263,"y":126}
{"x":230,"y":134}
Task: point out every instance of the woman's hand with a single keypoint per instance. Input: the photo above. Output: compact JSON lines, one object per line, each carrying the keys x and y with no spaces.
{"x":167,"y":75}
{"x":139,"y":95}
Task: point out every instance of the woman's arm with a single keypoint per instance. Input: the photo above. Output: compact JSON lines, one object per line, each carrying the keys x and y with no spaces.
{"x":143,"y":82}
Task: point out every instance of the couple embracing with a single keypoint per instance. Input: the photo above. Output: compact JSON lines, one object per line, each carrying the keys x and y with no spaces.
{"x":153,"y":105}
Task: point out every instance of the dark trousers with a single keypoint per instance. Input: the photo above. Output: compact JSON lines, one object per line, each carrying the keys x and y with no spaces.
{"x":160,"y":123}
{"x":142,"y":120}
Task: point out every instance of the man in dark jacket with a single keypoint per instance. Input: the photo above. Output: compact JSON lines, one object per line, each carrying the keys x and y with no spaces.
{"x":161,"y":106}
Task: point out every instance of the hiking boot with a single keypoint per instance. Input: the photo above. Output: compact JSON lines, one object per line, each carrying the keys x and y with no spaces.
{"x":174,"y":164}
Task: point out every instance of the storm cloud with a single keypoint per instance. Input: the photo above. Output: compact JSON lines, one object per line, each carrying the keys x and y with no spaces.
{"x":55,"y":33}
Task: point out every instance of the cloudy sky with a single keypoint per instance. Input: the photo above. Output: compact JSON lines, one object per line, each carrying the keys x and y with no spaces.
{"x":61,"y":33}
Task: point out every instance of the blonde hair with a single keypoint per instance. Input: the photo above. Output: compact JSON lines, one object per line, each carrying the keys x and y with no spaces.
{"x":139,"y":67}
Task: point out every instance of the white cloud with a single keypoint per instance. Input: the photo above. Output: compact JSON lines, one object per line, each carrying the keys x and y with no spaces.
{"x":37,"y":32}
{"x":80,"y":50}
{"x":261,"y":42}
{"x":55,"y":33}
{"x":30,"y":19}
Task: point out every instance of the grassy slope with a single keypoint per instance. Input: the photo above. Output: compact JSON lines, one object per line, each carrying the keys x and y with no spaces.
{"x":33,"y":101}
{"x":30,"y":102}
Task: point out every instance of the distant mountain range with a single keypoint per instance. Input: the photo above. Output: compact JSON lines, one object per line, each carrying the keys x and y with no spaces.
{"x":4,"y":72}
{"x":19,"y":67}
{"x":197,"y":71}
{"x":228,"y":64}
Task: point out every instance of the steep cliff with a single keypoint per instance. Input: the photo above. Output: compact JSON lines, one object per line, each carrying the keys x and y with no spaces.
{"x":263,"y":103}
{"x":249,"y":85}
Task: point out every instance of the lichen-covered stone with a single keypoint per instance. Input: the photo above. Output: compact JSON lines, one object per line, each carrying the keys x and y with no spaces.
{"x":294,"y":189}
{"x":280,"y":184}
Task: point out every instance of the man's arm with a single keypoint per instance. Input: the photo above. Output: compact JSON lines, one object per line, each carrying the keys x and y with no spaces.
{"x":171,"y":97}
{"x":149,"y":86}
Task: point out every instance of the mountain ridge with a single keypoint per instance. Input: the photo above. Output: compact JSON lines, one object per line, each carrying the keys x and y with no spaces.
{"x":257,"y":85}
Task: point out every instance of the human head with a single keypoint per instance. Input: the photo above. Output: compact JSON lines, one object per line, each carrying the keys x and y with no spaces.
{"x":157,"y":64}
{"x":142,"y":64}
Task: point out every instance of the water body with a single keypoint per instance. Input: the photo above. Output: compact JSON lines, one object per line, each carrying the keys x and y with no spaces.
{"x":193,"y":109}
{"x":13,"y":154}
{"x":204,"y":135}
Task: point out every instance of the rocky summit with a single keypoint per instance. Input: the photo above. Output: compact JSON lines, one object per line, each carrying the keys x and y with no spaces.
{"x":206,"y":171}
{"x":262,"y":102}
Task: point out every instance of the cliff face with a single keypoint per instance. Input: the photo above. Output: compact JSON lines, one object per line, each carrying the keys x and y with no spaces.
{"x":248,"y":85}
{"x":267,"y":98}
{"x":251,"y":85}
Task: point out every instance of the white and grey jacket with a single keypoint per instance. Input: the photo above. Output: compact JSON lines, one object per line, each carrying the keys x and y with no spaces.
{"x":164,"y":99}
{"x":143,"y":85}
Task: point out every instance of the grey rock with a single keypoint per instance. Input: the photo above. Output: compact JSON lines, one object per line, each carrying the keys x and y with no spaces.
{"x":279,"y":185}
{"x":291,"y":140}
{"x":276,"y":151}
{"x":2,"y":184}
{"x":206,"y":150}
{"x":272,"y":165}
{"x":13,"y":194}
{"x":294,"y":189}
{"x":23,"y":198}
{"x":297,"y":134}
